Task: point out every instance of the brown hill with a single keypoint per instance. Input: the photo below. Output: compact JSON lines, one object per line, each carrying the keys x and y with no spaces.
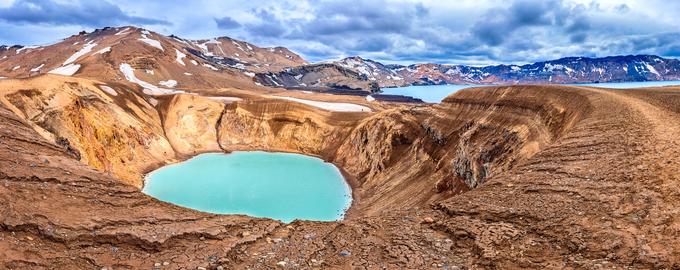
{"x":148,"y":60}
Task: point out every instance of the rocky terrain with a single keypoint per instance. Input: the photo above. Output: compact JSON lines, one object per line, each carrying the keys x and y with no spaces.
{"x":566,"y":70}
{"x":631,"y":68}
{"x":521,"y":176}
{"x":160,"y":64}
{"x":504,"y":177}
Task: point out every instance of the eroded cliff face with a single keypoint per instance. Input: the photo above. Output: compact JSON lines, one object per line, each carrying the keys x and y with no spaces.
{"x":451,"y":148}
{"x":118,"y":134}
{"x":189,"y":123}
{"x":284,"y":126}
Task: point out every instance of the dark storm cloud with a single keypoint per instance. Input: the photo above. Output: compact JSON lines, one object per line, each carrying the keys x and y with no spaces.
{"x":377,"y":17}
{"x":268,"y":26}
{"x":462,"y":31}
{"x":498,"y":24}
{"x":227,"y":23}
{"x":85,"y":13}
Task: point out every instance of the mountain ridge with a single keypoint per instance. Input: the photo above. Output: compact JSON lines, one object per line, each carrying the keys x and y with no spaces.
{"x":227,"y":62}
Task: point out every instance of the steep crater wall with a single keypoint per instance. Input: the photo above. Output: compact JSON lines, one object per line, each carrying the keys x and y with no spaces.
{"x":406,"y":156}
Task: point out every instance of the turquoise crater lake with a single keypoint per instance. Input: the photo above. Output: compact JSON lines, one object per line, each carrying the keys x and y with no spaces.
{"x":280,"y":186}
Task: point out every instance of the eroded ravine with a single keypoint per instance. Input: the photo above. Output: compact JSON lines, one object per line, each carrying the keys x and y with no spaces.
{"x":534,"y":154}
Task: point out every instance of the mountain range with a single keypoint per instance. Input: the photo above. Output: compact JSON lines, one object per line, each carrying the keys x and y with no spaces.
{"x":165,"y":64}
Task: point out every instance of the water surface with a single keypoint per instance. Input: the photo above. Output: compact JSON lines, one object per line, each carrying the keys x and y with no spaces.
{"x":436,"y":93}
{"x":280,"y":186}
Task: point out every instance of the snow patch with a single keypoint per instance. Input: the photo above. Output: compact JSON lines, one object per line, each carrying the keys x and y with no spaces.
{"x":188,"y":74}
{"x":150,"y":41}
{"x":26,"y":48}
{"x":168,"y":83}
{"x":36,"y":69}
{"x":652,"y":69}
{"x":17,"y":67}
{"x":149,"y":89}
{"x":102,"y":51}
{"x":194,"y":62}
{"x":67,"y":70}
{"x":330,"y":106}
{"x":108,"y":90}
{"x":121,"y":32}
{"x":225,"y":99}
{"x":180,"y":57}
{"x":210,"y":66}
{"x":149,"y":71}
{"x":86,"y":49}
{"x":249,"y":74}
{"x":369,"y":98}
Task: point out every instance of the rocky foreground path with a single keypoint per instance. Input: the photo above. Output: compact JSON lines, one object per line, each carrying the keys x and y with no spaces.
{"x":606,"y":194}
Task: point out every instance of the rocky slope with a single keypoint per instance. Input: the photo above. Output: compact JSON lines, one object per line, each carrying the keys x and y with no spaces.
{"x":155,"y":63}
{"x":321,"y":78}
{"x":565,"y":70}
{"x":521,"y":176}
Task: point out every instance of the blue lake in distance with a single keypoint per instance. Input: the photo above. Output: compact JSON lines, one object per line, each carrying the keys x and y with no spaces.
{"x":436,"y":93}
{"x":280,"y":186}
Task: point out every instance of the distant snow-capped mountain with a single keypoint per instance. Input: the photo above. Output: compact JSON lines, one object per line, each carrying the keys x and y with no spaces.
{"x":564,"y":70}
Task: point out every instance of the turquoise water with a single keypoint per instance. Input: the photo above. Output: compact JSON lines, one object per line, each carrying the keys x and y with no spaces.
{"x":428,"y":93}
{"x":280,"y":186}
{"x":436,"y":93}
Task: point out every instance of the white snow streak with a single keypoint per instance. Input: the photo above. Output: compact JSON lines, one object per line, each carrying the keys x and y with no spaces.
{"x":149,"y":89}
{"x":102,"y":51}
{"x":225,"y":99}
{"x":652,"y":69}
{"x":210,"y":66}
{"x":26,"y":48}
{"x":121,"y":32}
{"x":67,"y":70}
{"x":180,"y":56}
{"x":168,"y":83}
{"x":150,"y":41}
{"x":86,"y":49}
{"x":36,"y":69}
{"x":331,"y":106}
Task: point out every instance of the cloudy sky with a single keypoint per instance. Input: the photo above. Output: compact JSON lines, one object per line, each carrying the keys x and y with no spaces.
{"x":473,"y":32}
